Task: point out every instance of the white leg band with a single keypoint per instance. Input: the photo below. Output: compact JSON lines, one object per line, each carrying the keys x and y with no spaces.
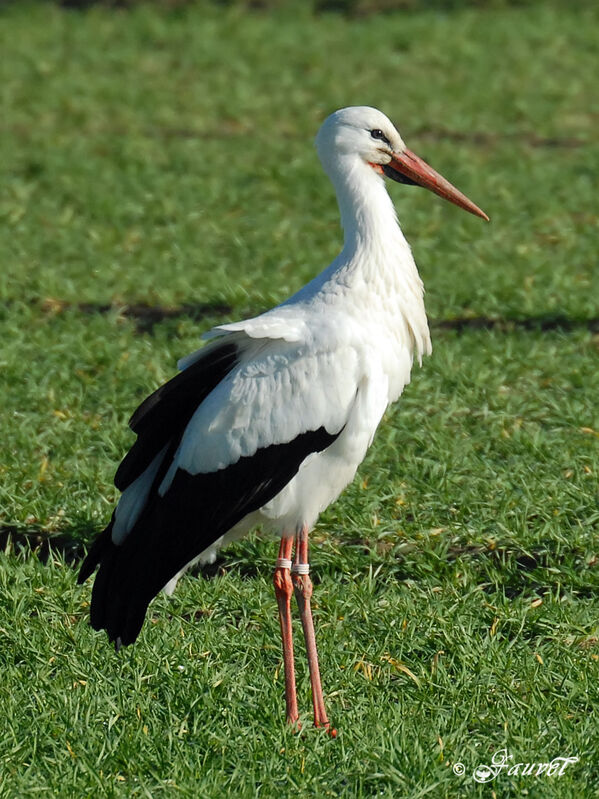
{"x":283,"y":563}
{"x":301,"y":568}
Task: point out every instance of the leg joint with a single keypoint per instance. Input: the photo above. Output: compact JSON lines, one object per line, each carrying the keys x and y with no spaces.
{"x":282,"y":583}
{"x":302,"y":585}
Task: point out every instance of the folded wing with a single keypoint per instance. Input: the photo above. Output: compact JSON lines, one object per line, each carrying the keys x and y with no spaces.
{"x":215,"y":444}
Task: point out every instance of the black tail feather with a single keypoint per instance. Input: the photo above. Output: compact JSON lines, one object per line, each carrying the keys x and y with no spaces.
{"x":96,"y":552}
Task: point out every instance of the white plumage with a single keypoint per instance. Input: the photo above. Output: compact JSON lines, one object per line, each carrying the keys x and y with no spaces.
{"x":306,"y":382}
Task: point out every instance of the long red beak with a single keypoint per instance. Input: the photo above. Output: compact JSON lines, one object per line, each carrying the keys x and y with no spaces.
{"x":410,"y":166}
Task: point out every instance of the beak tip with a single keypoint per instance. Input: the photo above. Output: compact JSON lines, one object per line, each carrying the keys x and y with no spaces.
{"x":479,"y":212}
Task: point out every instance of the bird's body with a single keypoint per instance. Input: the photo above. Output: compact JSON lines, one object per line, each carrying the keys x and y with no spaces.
{"x":333,"y":356}
{"x":268,"y":422}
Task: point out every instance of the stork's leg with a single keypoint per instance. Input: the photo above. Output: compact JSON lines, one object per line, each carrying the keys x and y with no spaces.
{"x":302,"y":585}
{"x":283,"y":591}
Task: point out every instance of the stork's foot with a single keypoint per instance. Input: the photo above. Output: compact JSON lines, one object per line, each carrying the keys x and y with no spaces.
{"x":327,"y":727}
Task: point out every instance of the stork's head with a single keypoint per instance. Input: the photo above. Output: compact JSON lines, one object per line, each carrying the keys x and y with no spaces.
{"x":363,"y":135}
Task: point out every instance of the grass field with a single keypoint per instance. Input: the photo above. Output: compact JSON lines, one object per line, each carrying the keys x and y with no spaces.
{"x":158,"y":177}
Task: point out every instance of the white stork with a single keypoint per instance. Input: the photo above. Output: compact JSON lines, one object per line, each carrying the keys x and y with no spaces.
{"x":267,"y":423}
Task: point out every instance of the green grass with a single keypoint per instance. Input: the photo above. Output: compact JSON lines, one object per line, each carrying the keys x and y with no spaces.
{"x":165,"y":161}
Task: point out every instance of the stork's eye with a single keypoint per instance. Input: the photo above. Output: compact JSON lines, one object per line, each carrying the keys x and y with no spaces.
{"x":378,"y":134}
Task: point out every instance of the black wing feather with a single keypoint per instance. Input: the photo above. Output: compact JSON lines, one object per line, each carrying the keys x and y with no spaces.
{"x":174,"y":529}
{"x":164,"y":415}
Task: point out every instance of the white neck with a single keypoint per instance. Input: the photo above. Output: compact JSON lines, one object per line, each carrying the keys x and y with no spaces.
{"x":368,"y":216}
{"x":376,"y":255}
{"x":376,"y":260}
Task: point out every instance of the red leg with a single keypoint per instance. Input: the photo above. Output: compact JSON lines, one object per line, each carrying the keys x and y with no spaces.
{"x":302,"y":585}
{"x":283,"y":591}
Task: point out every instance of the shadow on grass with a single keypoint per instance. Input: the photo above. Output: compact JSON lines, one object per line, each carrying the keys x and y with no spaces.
{"x":508,"y":570}
{"x":41,"y":542}
{"x":532,"y":572}
{"x":72,"y":545}
{"x":146,"y":317}
{"x":490,"y":138}
{"x":347,"y":8}
{"x":542,"y":322}
{"x":143,"y":315}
